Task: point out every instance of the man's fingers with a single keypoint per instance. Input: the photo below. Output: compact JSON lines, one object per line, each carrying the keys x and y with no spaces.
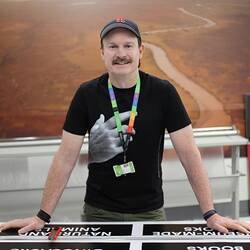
{"x":113,"y":133}
{"x":219,"y":228}
{"x":245,"y":224}
{"x":125,"y":115}
{"x":98,"y":123}
{"x":118,"y":150}
{"x":117,"y":142}
{"x":101,"y":119}
{"x":239,"y":226}
{"x":27,"y":229}
{"x":11,"y":224}
{"x":110,"y":123}
{"x":3,"y":227}
{"x":224,"y":224}
{"x":125,"y":129}
{"x":25,"y":225}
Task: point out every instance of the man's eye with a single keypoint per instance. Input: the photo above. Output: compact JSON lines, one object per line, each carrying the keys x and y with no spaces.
{"x":112,"y":46}
{"x":128,"y":46}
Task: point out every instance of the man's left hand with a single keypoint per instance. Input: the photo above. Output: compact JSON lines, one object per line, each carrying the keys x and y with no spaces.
{"x":224,"y":224}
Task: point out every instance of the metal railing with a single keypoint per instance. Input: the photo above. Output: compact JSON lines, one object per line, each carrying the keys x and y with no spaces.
{"x":55,"y":140}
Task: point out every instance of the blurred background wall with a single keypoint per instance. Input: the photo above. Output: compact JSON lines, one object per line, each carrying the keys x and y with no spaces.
{"x":49,"y":47}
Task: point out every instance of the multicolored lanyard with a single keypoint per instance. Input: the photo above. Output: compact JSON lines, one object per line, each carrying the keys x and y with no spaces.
{"x":132,"y":114}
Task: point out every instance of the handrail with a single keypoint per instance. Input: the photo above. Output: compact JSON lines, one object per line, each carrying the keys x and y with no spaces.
{"x":55,"y":140}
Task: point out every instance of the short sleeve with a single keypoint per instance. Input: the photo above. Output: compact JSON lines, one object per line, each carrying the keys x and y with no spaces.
{"x":176,"y":116}
{"x":76,"y":121}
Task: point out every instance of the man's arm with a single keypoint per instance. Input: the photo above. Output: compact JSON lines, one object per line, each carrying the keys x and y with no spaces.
{"x":59,"y":173}
{"x":189,"y":155}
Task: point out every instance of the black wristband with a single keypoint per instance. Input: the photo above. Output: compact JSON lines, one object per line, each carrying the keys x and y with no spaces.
{"x":209,"y":213}
{"x":43,"y":216}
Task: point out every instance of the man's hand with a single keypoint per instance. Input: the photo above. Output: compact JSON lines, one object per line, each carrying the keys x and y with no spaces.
{"x":25,"y":225}
{"x":224,"y":224}
{"x":104,"y":141}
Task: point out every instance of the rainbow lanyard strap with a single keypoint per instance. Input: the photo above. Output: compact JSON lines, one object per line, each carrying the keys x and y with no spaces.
{"x":132,"y":114}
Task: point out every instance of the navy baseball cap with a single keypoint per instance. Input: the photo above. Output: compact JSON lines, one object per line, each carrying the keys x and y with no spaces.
{"x":120,"y":22}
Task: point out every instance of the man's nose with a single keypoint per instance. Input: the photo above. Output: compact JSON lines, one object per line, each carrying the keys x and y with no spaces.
{"x":121,"y":52}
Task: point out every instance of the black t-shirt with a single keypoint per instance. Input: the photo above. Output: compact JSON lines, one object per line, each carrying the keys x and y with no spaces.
{"x":159,"y":108}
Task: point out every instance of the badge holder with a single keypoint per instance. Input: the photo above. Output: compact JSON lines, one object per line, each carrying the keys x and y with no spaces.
{"x":123,"y":169}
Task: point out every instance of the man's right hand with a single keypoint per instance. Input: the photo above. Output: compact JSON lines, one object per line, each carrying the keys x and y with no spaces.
{"x":25,"y":225}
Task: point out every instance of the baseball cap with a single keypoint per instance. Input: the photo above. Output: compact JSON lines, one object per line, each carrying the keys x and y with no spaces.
{"x":120,"y":22}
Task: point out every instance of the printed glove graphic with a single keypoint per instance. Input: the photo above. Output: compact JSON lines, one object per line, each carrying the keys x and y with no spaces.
{"x":104,"y":141}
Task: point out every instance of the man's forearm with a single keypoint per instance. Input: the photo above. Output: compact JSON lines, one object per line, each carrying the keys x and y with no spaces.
{"x":199,"y":181}
{"x":201,"y":187}
{"x":190,"y":158}
{"x":57,"y":179}
{"x":61,"y":168}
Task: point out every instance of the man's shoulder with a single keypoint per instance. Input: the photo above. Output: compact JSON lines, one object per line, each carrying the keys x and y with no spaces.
{"x":94,"y":83}
{"x":156,"y":81}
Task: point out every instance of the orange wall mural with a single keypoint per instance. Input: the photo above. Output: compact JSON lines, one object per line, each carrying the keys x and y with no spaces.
{"x":48,"y":48}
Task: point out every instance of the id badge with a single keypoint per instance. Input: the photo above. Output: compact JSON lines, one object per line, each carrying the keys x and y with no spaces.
{"x":123,"y":169}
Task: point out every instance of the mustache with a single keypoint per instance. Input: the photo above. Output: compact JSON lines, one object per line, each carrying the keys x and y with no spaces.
{"x":119,"y":60}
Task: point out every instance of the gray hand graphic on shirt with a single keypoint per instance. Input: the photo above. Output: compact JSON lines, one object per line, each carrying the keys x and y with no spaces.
{"x":104,"y":141}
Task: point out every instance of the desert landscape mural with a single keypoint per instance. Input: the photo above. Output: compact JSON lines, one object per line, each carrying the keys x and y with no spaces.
{"x":49,"y":47}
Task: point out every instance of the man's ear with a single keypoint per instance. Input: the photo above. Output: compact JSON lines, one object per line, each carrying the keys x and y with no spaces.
{"x":141,"y":50}
{"x":102,"y":53}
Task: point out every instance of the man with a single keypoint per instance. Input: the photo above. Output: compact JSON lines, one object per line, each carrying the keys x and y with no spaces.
{"x":124,"y":180}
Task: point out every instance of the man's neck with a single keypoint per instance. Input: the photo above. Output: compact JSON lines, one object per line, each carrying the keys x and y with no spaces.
{"x":124,"y":81}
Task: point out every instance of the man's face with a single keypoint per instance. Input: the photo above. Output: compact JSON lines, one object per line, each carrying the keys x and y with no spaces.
{"x":120,"y":52}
